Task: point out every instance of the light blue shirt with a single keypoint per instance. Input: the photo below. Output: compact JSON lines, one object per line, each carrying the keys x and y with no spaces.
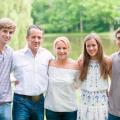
{"x":31,"y":71}
{"x":5,"y":69}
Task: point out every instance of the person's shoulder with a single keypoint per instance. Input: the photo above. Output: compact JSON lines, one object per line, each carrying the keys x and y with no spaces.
{"x":115,"y":54}
{"x":71,"y":64}
{"x":77,"y":66}
{"x":80,"y":61}
{"x":9,"y":48}
{"x":18,"y":52}
{"x":107,"y":58}
{"x":46,"y":51}
{"x":52,"y":62}
{"x":108,"y":61}
{"x":74,"y":63}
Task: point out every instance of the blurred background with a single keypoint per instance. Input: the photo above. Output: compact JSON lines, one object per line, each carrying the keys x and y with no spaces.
{"x":71,"y":18}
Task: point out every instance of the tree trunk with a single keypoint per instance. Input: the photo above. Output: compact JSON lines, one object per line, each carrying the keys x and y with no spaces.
{"x":81,"y":24}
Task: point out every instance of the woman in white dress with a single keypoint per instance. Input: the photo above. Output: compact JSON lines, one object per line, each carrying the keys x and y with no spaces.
{"x":60,"y":100}
{"x":95,"y":69}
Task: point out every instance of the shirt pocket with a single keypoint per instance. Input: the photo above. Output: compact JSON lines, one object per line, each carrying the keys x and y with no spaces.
{"x":24,"y":67}
{"x":42,"y":68}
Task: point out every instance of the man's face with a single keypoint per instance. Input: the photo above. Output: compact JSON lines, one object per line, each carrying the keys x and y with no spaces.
{"x":35,"y":39}
{"x":5,"y":35}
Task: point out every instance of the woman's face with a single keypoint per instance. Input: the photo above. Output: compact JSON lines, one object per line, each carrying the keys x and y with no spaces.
{"x":61,"y":50}
{"x":92,"y":48}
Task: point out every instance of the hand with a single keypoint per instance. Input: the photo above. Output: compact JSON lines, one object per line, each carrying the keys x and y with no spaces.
{"x":17,"y":82}
{"x":109,"y":93}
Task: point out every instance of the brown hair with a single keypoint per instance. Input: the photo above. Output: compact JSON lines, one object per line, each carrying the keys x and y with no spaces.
{"x":7,"y":23}
{"x":100,"y":57}
{"x":117,"y":31}
{"x":33,"y":26}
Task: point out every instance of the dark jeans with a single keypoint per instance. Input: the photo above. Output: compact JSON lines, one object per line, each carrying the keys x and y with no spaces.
{"x":51,"y":115}
{"x":112,"y":117}
{"x":26,"y":109}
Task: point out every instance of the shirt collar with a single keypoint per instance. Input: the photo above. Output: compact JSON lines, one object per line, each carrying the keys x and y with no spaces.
{"x":119,"y":53}
{"x":28,"y":50}
{"x":5,"y":48}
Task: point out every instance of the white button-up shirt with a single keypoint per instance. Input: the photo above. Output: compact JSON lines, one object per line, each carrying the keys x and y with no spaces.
{"x":30,"y":71}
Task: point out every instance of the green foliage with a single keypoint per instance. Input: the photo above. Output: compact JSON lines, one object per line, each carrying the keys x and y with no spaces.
{"x":76,"y":15}
{"x":61,"y":16}
{"x":56,"y":16}
{"x":20,"y":12}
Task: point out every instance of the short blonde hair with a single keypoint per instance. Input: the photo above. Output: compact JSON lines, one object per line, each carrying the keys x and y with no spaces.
{"x":65,"y":40}
{"x":7,"y":23}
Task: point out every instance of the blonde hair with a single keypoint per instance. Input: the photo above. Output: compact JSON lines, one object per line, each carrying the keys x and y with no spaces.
{"x":65,"y":40}
{"x":7,"y":23}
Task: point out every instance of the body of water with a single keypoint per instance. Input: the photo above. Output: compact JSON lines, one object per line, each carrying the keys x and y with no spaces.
{"x":77,"y":43}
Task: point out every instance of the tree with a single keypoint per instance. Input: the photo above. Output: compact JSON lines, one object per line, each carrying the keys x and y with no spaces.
{"x":20,"y":11}
{"x":76,"y":15}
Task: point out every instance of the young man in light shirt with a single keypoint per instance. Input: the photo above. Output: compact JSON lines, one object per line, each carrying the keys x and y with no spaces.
{"x":7,"y":29}
{"x":114,"y":96}
{"x":30,"y":69}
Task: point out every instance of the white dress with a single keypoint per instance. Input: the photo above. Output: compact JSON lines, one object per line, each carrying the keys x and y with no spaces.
{"x":60,"y":96}
{"x":94,"y":100}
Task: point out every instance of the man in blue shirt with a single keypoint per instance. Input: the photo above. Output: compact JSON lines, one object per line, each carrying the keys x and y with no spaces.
{"x":7,"y":29}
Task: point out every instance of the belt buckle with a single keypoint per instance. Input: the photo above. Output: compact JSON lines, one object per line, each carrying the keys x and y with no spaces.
{"x":36,"y":98}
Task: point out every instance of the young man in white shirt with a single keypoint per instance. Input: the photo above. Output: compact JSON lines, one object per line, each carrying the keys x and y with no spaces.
{"x":114,"y":95}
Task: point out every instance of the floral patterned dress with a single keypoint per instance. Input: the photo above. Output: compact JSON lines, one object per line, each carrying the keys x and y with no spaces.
{"x":94,"y":100}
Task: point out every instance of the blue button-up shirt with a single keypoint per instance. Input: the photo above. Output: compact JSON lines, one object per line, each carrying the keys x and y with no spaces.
{"x":5,"y":69}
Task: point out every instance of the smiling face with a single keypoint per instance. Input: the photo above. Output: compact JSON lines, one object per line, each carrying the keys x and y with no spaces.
{"x":61,"y":48}
{"x":35,"y":39}
{"x":92,"y":48}
{"x":5,"y":35}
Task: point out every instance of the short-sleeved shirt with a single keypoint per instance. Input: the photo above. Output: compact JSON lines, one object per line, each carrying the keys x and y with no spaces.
{"x":114,"y":97}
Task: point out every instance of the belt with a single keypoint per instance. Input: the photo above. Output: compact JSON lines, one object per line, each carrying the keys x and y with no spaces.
{"x":1,"y":103}
{"x":33,"y":98}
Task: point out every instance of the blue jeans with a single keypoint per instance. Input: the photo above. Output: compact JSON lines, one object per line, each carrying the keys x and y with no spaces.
{"x":51,"y":115}
{"x":112,"y":117}
{"x":27,"y":109}
{"x":5,"y":111}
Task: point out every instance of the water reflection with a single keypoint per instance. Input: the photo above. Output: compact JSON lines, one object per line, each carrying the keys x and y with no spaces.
{"x":77,"y":43}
